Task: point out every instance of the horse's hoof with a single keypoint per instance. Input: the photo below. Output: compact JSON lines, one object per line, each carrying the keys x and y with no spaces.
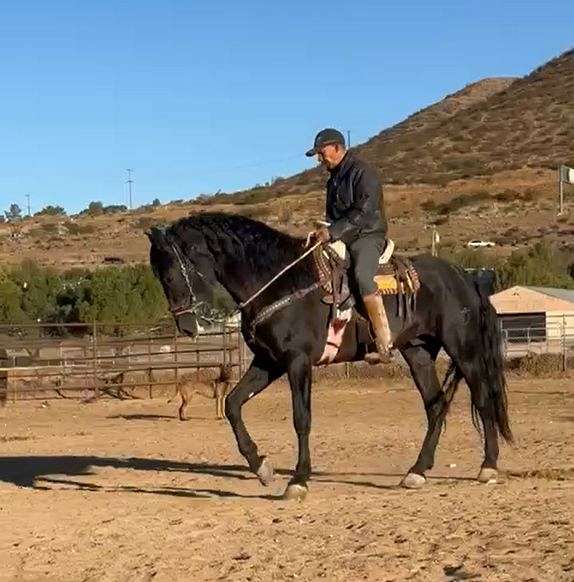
{"x":413,"y":481}
{"x":265,"y":472}
{"x":295,"y":492}
{"x":487,"y":475}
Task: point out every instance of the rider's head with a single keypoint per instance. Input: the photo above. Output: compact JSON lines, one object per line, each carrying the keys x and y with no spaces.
{"x":329,"y":147}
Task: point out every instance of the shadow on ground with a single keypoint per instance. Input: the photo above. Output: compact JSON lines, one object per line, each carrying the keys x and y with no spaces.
{"x":51,"y":472}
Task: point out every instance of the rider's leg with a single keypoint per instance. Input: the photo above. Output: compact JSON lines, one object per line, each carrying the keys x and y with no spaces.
{"x":365,"y":253}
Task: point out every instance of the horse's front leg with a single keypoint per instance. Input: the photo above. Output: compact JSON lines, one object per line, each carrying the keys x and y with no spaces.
{"x":256,"y":379}
{"x":300,"y":378}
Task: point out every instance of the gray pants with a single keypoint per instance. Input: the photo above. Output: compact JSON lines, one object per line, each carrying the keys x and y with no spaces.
{"x":365,"y":253}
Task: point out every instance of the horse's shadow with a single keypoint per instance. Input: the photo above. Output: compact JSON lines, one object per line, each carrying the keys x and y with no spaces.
{"x":50,"y":472}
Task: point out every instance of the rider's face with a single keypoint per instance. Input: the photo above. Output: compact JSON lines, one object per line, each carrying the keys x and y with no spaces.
{"x":330,"y":155}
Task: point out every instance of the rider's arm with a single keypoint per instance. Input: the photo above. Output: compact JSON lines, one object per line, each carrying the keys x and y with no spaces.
{"x":365,"y":209}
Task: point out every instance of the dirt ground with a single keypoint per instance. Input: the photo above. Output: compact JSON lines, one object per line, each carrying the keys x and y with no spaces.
{"x":122,"y":491}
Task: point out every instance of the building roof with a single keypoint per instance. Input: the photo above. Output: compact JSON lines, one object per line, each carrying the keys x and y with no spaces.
{"x":564,"y":294}
{"x":522,"y":299}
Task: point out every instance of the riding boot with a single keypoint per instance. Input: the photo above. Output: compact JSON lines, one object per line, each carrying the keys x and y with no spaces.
{"x":380,"y":325}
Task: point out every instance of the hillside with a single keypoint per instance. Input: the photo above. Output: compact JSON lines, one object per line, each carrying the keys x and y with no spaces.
{"x":488,"y":127}
{"x":478,"y":164}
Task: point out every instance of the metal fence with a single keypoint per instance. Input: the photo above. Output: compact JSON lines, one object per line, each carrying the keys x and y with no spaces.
{"x":70,"y":360}
{"x":100,"y":360}
{"x":555,"y":336}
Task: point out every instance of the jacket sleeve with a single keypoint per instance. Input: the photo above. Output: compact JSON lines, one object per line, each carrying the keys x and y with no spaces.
{"x":365,"y":209}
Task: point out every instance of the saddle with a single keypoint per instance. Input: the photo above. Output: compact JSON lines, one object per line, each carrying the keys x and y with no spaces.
{"x":396,"y":275}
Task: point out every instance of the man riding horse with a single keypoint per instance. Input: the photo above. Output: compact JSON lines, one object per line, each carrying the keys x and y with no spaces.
{"x":355,"y":215}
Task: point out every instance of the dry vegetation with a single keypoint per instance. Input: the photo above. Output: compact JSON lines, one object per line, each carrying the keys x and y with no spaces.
{"x":479,"y":164}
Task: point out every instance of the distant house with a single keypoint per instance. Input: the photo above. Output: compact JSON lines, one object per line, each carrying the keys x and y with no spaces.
{"x":535,"y":313}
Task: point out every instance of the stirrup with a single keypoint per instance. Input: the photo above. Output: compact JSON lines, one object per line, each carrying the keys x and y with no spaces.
{"x":374,"y":358}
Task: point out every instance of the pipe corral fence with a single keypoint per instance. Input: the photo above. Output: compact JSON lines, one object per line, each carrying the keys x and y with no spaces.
{"x":89,"y":361}
{"x":100,"y":360}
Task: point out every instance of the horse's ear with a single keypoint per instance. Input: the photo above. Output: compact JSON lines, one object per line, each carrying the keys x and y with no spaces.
{"x":156,"y":235}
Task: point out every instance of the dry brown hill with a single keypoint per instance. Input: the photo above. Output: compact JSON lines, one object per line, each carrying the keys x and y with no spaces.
{"x":490,"y":126}
{"x":479,"y":164}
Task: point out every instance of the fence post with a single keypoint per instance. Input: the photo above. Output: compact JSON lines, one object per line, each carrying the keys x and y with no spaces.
{"x":150,"y":388}
{"x":175,"y":355}
{"x":95,"y":359}
{"x":564,"y":346}
{"x":240,"y":352}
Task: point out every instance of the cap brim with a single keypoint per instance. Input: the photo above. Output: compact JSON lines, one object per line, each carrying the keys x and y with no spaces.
{"x":312,"y":152}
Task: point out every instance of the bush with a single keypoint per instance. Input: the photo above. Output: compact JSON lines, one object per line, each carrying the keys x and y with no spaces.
{"x":145,"y":222}
{"x":538,"y":365}
{"x":78,"y":229}
{"x":115,"y":208}
{"x":51,"y":211}
{"x":113,"y":295}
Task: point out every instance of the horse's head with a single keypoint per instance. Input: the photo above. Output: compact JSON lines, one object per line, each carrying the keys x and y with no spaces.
{"x":185,"y":270}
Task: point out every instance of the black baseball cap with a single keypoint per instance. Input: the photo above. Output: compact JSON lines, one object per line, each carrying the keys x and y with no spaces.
{"x":325,"y":137}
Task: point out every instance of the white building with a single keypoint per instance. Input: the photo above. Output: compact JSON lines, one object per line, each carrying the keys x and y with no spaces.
{"x":535,"y":313}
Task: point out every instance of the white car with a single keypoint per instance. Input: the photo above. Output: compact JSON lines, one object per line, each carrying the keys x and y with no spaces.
{"x":475,"y":244}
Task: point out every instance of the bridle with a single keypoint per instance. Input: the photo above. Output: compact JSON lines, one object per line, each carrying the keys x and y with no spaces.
{"x":191,"y":306}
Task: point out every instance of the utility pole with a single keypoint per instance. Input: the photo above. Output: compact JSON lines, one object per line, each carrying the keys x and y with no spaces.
{"x":348,"y":138}
{"x":129,"y":182}
{"x":28,"y":199}
{"x":561,"y":175}
{"x":434,"y":241}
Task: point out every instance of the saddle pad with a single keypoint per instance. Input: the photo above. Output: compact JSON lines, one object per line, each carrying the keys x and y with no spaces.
{"x":387,"y":284}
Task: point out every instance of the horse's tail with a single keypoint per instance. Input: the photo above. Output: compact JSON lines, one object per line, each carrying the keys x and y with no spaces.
{"x":492,"y":367}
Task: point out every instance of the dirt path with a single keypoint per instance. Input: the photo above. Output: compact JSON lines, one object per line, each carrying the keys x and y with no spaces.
{"x":122,"y":491}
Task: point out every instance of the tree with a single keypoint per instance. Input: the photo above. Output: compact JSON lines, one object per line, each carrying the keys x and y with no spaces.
{"x":15,"y":212}
{"x":95,"y":208}
{"x":51,"y":211}
{"x":156,"y":202}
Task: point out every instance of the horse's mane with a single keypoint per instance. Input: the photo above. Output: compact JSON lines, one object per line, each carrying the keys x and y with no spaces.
{"x":245,"y":241}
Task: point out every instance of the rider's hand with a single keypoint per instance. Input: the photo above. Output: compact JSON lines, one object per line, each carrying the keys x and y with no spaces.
{"x":320,"y":235}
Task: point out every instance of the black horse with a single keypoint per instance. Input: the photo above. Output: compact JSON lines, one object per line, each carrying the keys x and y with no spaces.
{"x":196,"y":253}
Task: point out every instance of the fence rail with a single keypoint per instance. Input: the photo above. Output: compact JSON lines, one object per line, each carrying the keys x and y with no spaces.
{"x":56,"y":367}
{"x":109,"y":366}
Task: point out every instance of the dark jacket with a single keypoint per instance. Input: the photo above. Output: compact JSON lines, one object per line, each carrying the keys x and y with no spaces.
{"x":354,"y":201}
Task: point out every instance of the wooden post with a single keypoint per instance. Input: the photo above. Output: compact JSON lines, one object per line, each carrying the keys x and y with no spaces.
{"x":560,"y":191}
{"x":175,"y":356}
{"x":564,"y":346}
{"x":224,"y":340}
{"x":95,"y":360}
{"x":150,"y":388}
{"x":240,"y":352}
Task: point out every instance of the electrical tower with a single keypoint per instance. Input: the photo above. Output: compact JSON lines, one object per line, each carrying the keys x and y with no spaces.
{"x":129,"y":182}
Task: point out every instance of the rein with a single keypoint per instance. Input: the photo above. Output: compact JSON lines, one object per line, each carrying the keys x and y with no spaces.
{"x":267,"y":311}
{"x":281,"y":273}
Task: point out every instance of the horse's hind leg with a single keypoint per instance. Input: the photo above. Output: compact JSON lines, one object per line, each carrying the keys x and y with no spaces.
{"x":470,"y":368}
{"x":421,"y":360}
{"x":256,"y":379}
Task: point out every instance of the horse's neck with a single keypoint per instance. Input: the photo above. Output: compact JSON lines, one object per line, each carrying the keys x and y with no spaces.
{"x":242,"y":282}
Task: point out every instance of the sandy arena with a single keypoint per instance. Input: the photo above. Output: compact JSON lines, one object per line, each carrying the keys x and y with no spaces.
{"x":122,"y":491}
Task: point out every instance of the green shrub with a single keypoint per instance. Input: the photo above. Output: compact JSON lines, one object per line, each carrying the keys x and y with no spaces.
{"x":51,"y":211}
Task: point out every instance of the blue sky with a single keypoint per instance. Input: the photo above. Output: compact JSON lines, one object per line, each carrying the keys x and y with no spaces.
{"x":201,"y":96}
